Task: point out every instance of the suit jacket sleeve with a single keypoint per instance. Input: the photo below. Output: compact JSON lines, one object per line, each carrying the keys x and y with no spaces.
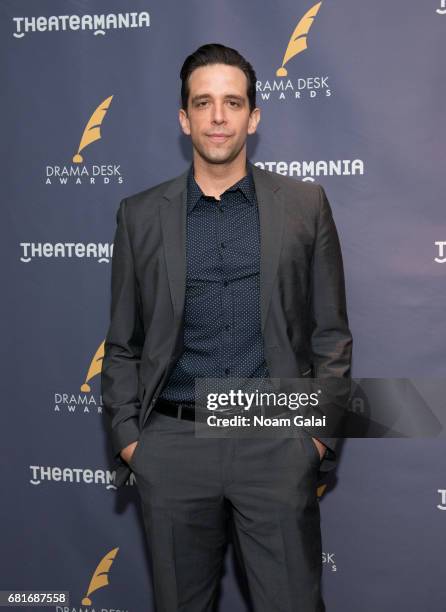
{"x":331,"y":338}
{"x":123,"y":344}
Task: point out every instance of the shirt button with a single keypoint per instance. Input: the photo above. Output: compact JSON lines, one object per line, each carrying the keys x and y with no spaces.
{"x":222,"y":244}
{"x":227,"y":327}
{"x":225,"y":283}
{"x":227,"y":370}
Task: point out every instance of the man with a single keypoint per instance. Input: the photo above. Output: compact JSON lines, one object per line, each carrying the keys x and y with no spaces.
{"x":225,"y":271}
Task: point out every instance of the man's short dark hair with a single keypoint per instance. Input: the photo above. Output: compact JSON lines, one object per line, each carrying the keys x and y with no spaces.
{"x":214,"y":53}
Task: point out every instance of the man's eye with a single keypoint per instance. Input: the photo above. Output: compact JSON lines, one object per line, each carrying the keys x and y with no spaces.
{"x":234,"y":103}
{"x":201,"y":103}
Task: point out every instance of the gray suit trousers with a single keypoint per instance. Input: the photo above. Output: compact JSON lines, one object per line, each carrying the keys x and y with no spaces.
{"x":188,"y":485}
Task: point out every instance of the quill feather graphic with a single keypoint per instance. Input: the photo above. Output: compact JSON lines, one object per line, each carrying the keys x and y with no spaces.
{"x":321,"y":490}
{"x":298,"y":39}
{"x":100,"y":576}
{"x":95,"y":367}
{"x":92,"y":130}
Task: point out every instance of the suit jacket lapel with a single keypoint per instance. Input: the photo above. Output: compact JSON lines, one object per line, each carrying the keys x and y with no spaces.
{"x":271,"y":215}
{"x":173,"y":225}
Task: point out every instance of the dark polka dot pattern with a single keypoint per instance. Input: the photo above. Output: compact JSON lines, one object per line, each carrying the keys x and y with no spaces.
{"x":222,"y":326}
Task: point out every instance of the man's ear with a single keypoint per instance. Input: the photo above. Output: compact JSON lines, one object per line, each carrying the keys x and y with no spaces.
{"x":184,"y":121}
{"x":254,"y":119}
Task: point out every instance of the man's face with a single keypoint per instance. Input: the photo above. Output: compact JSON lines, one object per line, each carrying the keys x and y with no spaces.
{"x":218,"y":118}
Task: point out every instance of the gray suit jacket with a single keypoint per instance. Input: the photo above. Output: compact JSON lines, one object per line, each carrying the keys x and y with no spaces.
{"x":302,"y":297}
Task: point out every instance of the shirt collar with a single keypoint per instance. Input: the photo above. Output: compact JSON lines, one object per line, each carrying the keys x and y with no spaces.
{"x":245,"y":184}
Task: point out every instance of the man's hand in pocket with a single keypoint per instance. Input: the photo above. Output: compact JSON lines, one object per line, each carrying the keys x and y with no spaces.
{"x":320,"y":447}
{"x":127,"y":452}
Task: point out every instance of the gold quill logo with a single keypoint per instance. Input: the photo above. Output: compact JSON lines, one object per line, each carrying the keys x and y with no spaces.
{"x":320,"y":490}
{"x":298,"y":40}
{"x":100,"y":576}
{"x":95,"y":367}
{"x":92,"y":131}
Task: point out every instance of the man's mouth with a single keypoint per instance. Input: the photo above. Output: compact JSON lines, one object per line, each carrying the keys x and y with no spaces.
{"x":218,"y":137}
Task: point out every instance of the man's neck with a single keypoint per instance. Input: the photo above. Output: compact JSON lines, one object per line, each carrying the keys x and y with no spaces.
{"x":214,"y":179}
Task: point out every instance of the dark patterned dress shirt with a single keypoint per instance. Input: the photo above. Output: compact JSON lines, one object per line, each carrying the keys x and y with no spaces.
{"x":222,"y":325}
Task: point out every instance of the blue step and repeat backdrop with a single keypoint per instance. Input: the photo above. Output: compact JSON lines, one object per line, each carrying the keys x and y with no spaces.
{"x":90,"y":98}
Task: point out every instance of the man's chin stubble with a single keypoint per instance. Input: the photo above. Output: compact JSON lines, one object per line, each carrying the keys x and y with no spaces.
{"x":224,"y":159}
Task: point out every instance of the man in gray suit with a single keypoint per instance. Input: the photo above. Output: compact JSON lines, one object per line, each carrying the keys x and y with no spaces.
{"x":225,"y":271}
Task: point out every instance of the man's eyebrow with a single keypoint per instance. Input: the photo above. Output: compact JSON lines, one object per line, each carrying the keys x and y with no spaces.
{"x":206,"y":95}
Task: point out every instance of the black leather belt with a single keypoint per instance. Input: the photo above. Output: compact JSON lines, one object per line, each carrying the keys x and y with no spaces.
{"x":177,"y":410}
{"x":186,"y":410}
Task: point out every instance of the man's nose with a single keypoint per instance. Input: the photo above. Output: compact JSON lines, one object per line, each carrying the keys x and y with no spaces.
{"x":218,"y":113}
